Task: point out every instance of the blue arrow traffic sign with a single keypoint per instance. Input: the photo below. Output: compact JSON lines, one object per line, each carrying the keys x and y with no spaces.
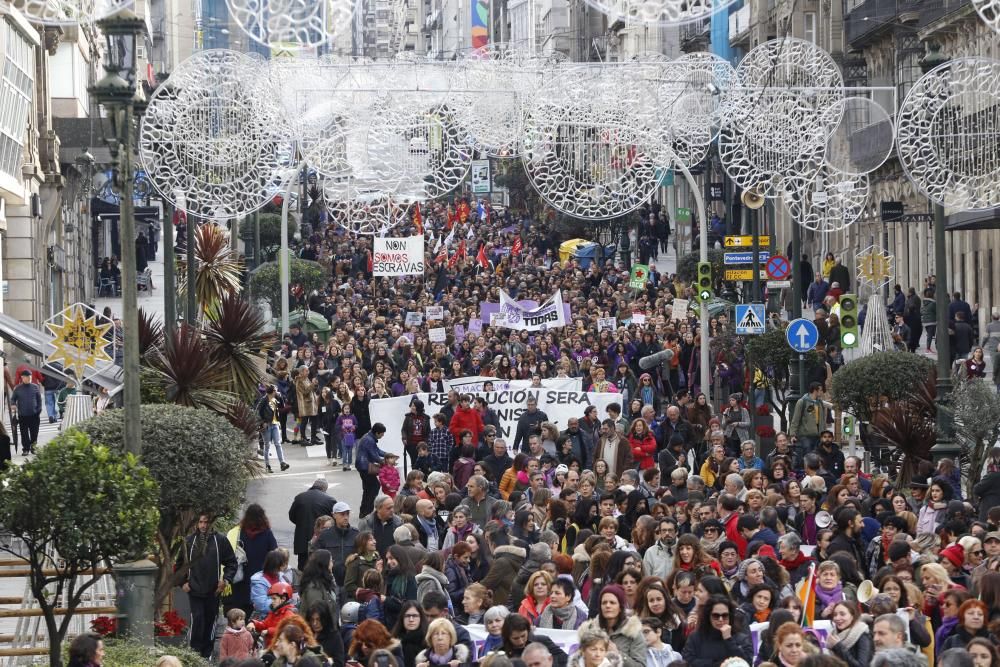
{"x":731,"y":258}
{"x":802,"y":335}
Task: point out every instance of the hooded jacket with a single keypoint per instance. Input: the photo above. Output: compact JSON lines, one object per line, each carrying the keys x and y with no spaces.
{"x":659,"y":560}
{"x":537,"y":554}
{"x":507,"y":561}
{"x":466,"y":418}
{"x":429,"y":579}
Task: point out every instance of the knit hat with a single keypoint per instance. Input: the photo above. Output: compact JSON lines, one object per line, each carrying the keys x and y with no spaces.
{"x":741,"y":573}
{"x":562,"y":469}
{"x":955,"y":554}
{"x":618,"y":592}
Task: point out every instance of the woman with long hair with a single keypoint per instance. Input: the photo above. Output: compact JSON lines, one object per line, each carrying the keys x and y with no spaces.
{"x":690,"y":556}
{"x":86,"y":650}
{"x":325,"y":629}
{"x":973,"y":617}
{"x":642,"y":443}
{"x":717,"y":638}
{"x":371,"y":636}
{"x":625,"y":631}
{"x":254,"y":536}
{"x":851,"y":640}
{"x":271,"y":573}
{"x":653,"y":601}
{"x":364,"y":557}
{"x":932,"y":511}
{"x":295,"y":644}
{"x":479,"y":559}
{"x":400,"y":582}
{"x":411,"y":629}
{"x":317,"y":586}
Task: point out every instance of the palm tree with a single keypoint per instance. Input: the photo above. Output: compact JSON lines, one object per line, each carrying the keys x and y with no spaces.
{"x":235,"y":334}
{"x":219,"y":267}
{"x":188,"y":373}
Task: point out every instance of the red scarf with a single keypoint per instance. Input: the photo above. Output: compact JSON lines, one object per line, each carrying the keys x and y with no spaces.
{"x":800,"y":559}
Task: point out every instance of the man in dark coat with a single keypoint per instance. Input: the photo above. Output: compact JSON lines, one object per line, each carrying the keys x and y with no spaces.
{"x":528,"y":424}
{"x":338,"y":539}
{"x":848,"y":538}
{"x":306,"y":508}
{"x":207,"y":552}
{"x":988,"y":491}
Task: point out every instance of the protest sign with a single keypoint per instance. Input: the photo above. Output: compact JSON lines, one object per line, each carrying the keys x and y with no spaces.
{"x":474,"y":384}
{"x":639,"y":318}
{"x":399,"y":256}
{"x":487,"y":308}
{"x":638,"y":277}
{"x":459,"y":332}
{"x":434,"y":313}
{"x":510,"y":404}
{"x":679,"y":308}
{"x":608,"y":323}
{"x":437,"y":335}
{"x":549,"y":315}
{"x":475,"y":326}
{"x":413,"y":319}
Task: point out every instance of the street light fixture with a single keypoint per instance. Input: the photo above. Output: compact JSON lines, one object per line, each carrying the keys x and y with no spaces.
{"x":124,"y":99}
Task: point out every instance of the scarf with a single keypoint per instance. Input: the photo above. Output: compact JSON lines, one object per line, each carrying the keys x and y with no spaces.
{"x":948,"y":626}
{"x":436,"y":659}
{"x":828,"y":597}
{"x":565,"y":615}
{"x":849,"y":638}
{"x":761,"y":616}
{"x":647,"y":395}
{"x":799,"y":560}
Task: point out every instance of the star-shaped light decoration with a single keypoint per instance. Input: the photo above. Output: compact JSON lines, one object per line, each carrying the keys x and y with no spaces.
{"x":875,"y":266}
{"x":79,"y":340}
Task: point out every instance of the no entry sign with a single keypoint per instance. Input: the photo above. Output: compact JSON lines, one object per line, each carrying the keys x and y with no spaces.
{"x":778,"y":267}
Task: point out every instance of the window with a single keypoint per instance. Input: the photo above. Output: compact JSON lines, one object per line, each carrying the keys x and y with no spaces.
{"x":809,"y":27}
{"x":16,"y":90}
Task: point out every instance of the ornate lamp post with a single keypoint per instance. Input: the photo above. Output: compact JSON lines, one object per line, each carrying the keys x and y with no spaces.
{"x":124,"y":100}
{"x":945,"y":447}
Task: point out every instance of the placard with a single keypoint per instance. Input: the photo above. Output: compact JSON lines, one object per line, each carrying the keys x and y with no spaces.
{"x":608,"y":323}
{"x":437,"y":335}
{"x":434,"y":313}
{"x":475,"y":326}
{"x":398,"y":256}
{"x":549,"y":315}
{"x":459,"y":333}
{"x":680,"y":308}
{"x":639,"y":318}
{"x":413,"y":319}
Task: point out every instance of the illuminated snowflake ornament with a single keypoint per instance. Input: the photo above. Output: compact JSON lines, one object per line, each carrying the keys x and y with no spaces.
{"x":875,"y":266}
{"x":293,"y":23}
{"x":83,"y":341}
{"x":69,"y":12}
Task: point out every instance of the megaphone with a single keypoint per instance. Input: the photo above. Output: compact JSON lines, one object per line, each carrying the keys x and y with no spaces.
{"x":823,"y":519}
{"x":753,"y":198}
{"x":866,"y":591}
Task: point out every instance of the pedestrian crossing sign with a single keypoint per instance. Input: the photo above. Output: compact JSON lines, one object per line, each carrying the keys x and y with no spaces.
{"x":749,"y":318}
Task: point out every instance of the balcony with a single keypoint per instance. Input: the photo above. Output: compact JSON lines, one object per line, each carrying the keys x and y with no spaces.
{"x":695,"y":36}
{"x":739,"y":25}
{"x":869,"y":19}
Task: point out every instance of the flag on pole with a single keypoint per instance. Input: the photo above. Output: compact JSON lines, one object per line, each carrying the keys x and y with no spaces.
{"x":807,"y":596}
{"x":481,"y":257}
{"x":517,"y":247}
{"x":418,"y":222}
{"x":438,"y":246}
{"x":448,"y":239}
{"x":453,"y":261}
{"x":481,"y":210}
{"x":441,"y":257}
{"x":461,"y":249}
{"x":472,"y":231}
{"x":370,"y":263}
{"x":451,"y":218}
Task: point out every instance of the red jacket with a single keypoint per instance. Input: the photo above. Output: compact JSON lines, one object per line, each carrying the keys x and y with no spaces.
{"x":643,"y":451}
{"x":466,"y":418}
{"x":733,"y":535}
{"x":271,"y":621}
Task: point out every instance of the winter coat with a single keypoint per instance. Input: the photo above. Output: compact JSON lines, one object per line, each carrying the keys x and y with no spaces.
{"x":616,"y":453}
{"x":466,"y":418}
{"x":628,"y":638}
{"x":559,"y":657}
{"x":429,"y":579}
{"x":988,"y":490}
{"x":458,"y":579}
{"x":643,"y":451}
{"x":316,"y":593}
{"x":461,"y":653}
{"x":305,"y":398}
{"x":507,"y":561}
{"x":659,"y":560}
{"x":340,"y":543}
{"x":858,"y":655}
{"x":306,"y":508}
{"x":537,"y":554}
{"x":702,"y":650}
{"x":203,"y":575}
{"x":354,"y":572}
{"x":236,"y":644}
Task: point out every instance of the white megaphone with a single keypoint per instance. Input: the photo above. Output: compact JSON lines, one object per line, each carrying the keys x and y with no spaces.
{"x":866,"y":591}
{"x":823,"y":519}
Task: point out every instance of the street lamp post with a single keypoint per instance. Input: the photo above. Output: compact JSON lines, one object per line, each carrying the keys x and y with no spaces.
{"x":124,"y":100}
{"x":945,"y":447}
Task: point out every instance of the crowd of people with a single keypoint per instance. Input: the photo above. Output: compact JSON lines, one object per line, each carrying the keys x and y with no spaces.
{"x":656,"y":533}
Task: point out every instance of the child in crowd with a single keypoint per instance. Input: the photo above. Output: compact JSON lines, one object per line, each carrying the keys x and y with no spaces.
{"x":237,"y":642}
{"x":280,"y":595}
{"x":370,"y":596}
{"x":424,"y":463}
{"x":347,"y":424}
{"x":388,"y":476}
{"x":349,"y":620}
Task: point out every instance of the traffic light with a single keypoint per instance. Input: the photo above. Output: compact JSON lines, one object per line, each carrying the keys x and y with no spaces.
{"x":848,"y":321}
{"x":848,"y":425}
{"x":705,"y":291}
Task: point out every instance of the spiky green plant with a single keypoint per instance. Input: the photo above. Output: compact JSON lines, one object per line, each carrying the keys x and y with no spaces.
{"x":219,"y":268}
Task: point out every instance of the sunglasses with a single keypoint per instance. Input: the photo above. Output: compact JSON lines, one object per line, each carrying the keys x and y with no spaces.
{"x":720,"y":617}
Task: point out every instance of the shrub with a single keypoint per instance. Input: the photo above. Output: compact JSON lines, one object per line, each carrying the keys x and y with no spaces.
{"x":266,"y":280}
{"x":858,"y":385}
{"x":200,"y":461}
{"x":127,"y":653}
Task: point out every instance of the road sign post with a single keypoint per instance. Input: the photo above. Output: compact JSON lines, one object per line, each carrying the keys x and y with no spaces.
{"x":745,"y":241}
{"x":778,"y":268}
{"x":750,"y":318}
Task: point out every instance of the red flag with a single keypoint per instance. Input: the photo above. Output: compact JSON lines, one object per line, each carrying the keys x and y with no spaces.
{"x":370,"y":263}
{"x":481,"y":257}
{"x":461,"y":249}
{"x":441,"y":256}
{"x":451,"y":218}
{"x":517,"y":247}
{"x":418,"y":222}
{"x":453,"y":261}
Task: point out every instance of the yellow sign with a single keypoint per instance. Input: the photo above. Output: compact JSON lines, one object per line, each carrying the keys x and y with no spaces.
{"x":747,"y":241}
{"x":79,"y":340}
{"x":741,"y":274}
